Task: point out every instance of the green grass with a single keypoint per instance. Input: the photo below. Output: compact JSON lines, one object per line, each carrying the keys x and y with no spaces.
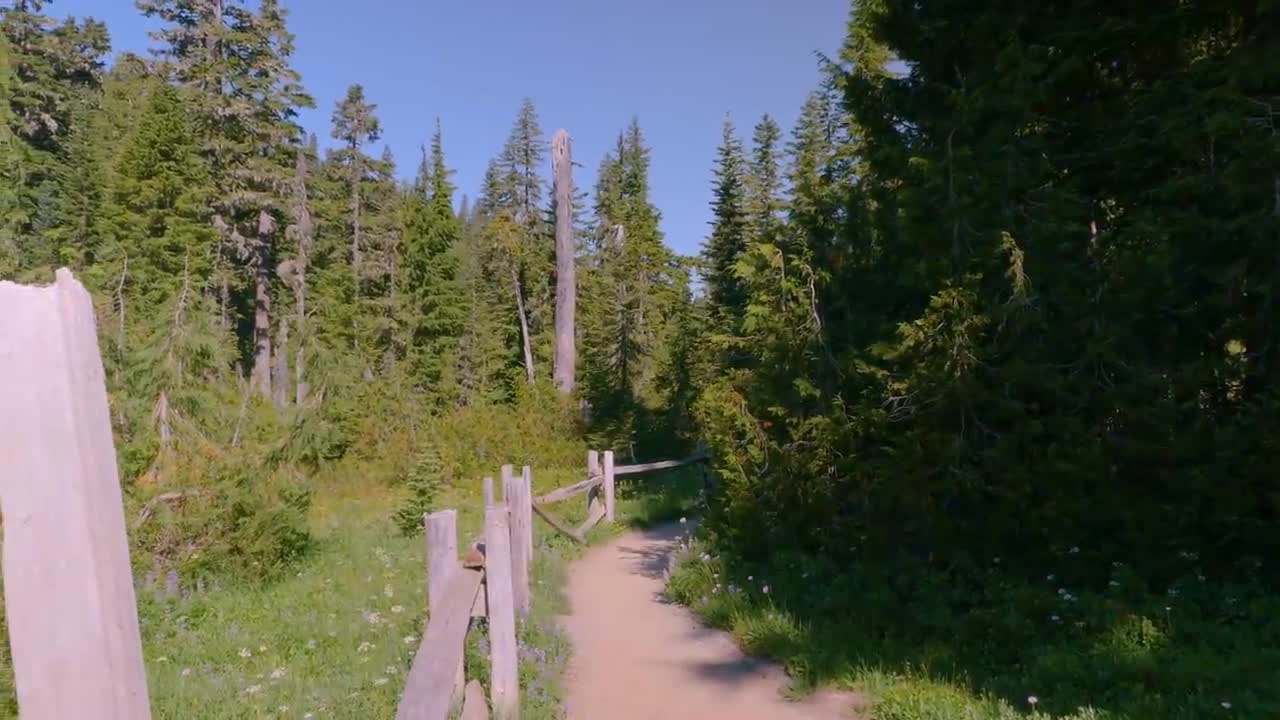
{"x":980,"y":643}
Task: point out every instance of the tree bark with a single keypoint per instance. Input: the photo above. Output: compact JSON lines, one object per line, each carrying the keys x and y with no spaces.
{"x":566,"y":270}
{"x":281,"y":379}
{"x":303,"y":230}
{"x":262,"y":332}
{"x":524,"y":324}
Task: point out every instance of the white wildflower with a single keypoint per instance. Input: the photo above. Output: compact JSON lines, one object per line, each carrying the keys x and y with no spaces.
{"x":765,"y":589}
{"x":186,"y":672}
{"x":388,"y":590}
{"x":246,"y":652}
{"x":277,"y":673}
{"x":262,"y":648}
{"x":683,"y":521}
{"x":253,"y":690}
{"x":380,"y":682}
{"x":1226,"y":705}
{"x":311,"y":644}
{"x":1033,"y":700}
{"x":397,"y":609}
{"x":364,"y":647}
{"x":409,"y":640}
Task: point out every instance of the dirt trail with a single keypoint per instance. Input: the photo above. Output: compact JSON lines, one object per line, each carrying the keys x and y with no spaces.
{"x":638,"y":657}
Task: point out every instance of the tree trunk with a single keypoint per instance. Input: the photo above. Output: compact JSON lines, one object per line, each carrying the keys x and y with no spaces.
{"x":262,"y":331}
{"x":524,"y":324}
{"x":303,"y":229}
{"x":281,"y":379}
{"x":355,"y":224}
{"x":566,"y":270}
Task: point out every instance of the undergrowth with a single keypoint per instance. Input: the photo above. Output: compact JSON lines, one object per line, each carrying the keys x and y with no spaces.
{"x":985,"y":643}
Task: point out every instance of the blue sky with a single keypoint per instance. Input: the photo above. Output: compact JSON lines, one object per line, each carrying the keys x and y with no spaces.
{"x":589,"y":65}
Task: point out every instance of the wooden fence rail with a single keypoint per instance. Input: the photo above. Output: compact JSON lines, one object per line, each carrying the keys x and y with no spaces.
{"x":68,"y":587}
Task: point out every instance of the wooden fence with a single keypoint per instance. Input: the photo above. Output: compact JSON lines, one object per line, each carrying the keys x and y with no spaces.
{"x":493,"y":580}
{"x":68,"y":586}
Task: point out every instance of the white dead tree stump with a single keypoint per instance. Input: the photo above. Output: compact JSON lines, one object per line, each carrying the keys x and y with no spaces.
{"x":68,"y":588}
{"x":566,"y":358}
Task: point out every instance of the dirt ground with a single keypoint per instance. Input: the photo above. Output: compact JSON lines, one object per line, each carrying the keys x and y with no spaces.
{"x":638,"y":657}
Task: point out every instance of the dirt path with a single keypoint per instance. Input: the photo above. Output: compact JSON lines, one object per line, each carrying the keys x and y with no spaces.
{"x":637,"y":657}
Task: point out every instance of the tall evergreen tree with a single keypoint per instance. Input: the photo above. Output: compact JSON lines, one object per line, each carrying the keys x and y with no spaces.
{"x":356,"y":125}
{"x":729,"y":228}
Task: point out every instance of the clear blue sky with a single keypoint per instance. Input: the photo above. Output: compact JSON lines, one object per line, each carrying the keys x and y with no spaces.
{"x":589,"y":65}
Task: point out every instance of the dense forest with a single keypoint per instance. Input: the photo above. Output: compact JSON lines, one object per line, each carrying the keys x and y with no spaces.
{"x":1009,"y":285}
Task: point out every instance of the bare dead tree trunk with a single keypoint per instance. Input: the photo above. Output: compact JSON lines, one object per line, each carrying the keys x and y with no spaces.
{"x":280,"y":383}
{"x":161,"y":415}
{"x":302,"y":229}
{"x":566,"y":358}
{"x":524,"y":324}
{"x":120,"y":310}
{"x":262,"y":356}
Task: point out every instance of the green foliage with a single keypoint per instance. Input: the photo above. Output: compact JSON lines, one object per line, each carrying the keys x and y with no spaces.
{"x":424,"y":481}
{"x":979,"y":640}
{"x":232,"y":519}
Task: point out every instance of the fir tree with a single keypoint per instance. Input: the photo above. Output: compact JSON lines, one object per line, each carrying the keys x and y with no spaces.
{"x":729,"y":228}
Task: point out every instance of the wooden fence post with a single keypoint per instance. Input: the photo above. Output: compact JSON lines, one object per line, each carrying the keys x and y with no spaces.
{"x":68,"y":586}
{"x":515,"y":497}
{"x":526,"y":508}
{"x":608,"y":486}
{"x":442,"y":564}
{"x":593,"y":463}
{"x":504,"y":676}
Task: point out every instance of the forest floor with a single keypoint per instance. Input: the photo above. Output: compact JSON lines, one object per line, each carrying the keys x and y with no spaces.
{"x":637,"y":656}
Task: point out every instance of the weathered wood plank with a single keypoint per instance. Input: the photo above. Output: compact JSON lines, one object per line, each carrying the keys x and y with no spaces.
{"x":488,"y":491}
{"x":513,"y":493}
{"x":596,"y":513}
{"x":504,"y":675}
{"x":473,"y":704}
{"x":663,"y":465}
{"x":569,"y":491}
{"x":68,"y":586}
{"x":526,"y":508}
{"x":442,"y":564}
{"x":572,"y":535}
{"x":428,"y":692}
{"x":609,"y":485}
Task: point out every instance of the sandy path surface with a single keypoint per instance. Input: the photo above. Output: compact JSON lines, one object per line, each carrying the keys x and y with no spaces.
{"x":638,"y":657}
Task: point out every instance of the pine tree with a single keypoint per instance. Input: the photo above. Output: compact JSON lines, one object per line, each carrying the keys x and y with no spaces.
{"x":432,"y":233}
{"x":764,"y":203}
{"x":356,"y":125}
{"x":729,"y":228}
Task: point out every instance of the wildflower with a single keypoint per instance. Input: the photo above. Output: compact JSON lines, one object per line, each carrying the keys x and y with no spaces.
{"x":246,"y":652}
{"x":1226,"y":705}
{"x":308,"y":716}
{"x":1075,"y":550}
{"x":282,"y":709}
{"x":397,"y":609}
{"x":391,"y":670}
{"x":311,"y":644}
{"x":277,"y":673}
{"x":683,"y":521}
{"x":162,"y":659}
{"x":1114,"y":583}
{"x":380,"y":682}
{"x":1055,"y":618}
{"x":186,"y":672}
{"x":732,"y":588}
{"x":995,"y":560}
{"x":1033,"y":700}
{"x":253,"y":690}
{"x":1049,"y":577}
{"x":409,"y":639}
{"x":765,"y":589}
{"x":364,"y":647}
{"x":262,"y":648}
{"x":373,"y":617}
{"x":388,"y":590}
